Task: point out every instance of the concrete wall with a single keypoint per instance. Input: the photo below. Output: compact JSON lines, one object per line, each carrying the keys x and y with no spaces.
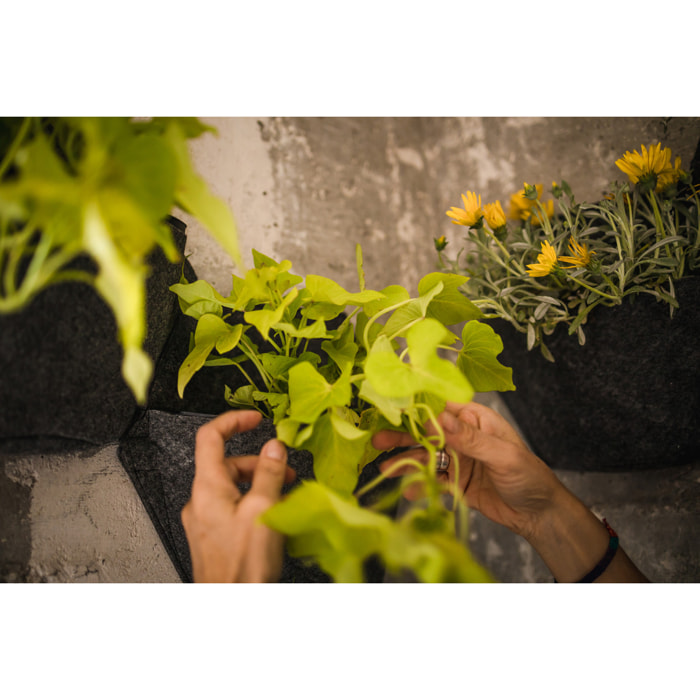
{"x":309,"y":189}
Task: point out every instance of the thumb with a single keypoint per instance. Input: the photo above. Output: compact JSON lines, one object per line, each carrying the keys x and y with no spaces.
{"x":270,"y":471}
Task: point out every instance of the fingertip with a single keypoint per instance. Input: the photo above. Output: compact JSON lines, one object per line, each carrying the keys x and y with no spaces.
{"x":387,"y":439}
{"x":274,"y":449}
{"x":449,"y":422}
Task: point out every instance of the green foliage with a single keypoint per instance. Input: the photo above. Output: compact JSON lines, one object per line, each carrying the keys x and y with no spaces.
{"x":640,"y":239}
{"x":101,"y":187}
{"x":382,"y":368}
{"x":339,"y":535}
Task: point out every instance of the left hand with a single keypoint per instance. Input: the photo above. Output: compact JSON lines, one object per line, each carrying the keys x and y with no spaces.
{"x":227,"y":544}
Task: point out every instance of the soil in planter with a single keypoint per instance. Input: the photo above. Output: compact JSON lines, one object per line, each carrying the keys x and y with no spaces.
{"x":628,"y":399}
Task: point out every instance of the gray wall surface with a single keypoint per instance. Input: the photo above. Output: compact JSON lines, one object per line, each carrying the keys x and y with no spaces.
{"x":308,"y":190}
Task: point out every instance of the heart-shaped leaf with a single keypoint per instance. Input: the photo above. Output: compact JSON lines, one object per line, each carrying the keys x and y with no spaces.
{"x":477,"y":359}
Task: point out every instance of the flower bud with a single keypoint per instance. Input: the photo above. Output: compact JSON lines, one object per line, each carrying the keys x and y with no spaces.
{"x":440,"y":243}
{"x":531,"y":192}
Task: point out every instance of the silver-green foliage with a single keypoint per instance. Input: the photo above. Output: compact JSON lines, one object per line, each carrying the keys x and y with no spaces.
{"x":640,"y":242}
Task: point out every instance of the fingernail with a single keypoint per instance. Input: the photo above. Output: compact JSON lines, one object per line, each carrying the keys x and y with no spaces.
{"x":449,"y":422}
{"x":274,"y":449}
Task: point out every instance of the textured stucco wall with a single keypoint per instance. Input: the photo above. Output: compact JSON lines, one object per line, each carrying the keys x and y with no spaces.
{"x":309,"y":189}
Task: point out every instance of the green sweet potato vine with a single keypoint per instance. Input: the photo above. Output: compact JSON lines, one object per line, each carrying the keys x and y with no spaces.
{"x":383,"y":367}
{"x":101,"y":187}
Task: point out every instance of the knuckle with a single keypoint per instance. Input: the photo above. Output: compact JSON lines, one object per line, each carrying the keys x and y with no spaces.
{"x":271,"y":467}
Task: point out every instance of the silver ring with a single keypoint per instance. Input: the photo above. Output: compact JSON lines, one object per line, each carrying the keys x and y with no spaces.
{"x":442,"y":462}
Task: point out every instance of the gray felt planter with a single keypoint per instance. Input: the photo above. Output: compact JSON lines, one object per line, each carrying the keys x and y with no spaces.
{"x":627,"y":399}
{"x":158,"y":454}
{"x":62,"y":362}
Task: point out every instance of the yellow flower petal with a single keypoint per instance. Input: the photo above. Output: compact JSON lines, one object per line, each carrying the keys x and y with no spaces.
{"x":494,"y":215}
{"x":472,"y":212}
{"x":653,"y":163}
{"x":546,"y":261}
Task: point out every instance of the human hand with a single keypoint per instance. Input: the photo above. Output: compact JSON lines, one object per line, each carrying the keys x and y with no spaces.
{"x":227,"y":544}
{"x":498,"y":475}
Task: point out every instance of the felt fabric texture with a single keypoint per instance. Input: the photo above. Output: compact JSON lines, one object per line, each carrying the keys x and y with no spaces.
{"x":628,"y":399}
{"x":62,"y":362}
{"x":158,"y":451}
{"x":158,"y":455}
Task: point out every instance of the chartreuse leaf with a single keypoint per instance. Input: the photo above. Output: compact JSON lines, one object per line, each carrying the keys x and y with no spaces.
{"x":393,"y":294}
{"x":405,"y":316}
{"x":342,"y":349}
{"x":211,"y":332}
{"x":477,"y":359}
{"x":198,"y":298}
{"x":310,"y":394}
{"x":191,"y":126}
{"x":330,"y":527}
{"x":360,"y":267}
{"x":337,"y":446}
{"x":427,"y":546}
{"x":287,"y":430}
{"x":284,"y":279}
{"x":449,"y":306}
{"x":279,"y":365}
{"x":260,"y":286}
{"x":44,"y":180}
{"x":313,"y":330}
{"x":361,"y":321}
{"x":265,"y":319}
{"x":121,"y":283}
{"x":327,"y":291}
{"x":148,"y":168}
{"x":390,"y":408}
{"x":373,"y":420}
{"x":323,"y":312}
{"x":241,"y":398}
{"x":194,"y":196}
{"x":279,"y":403}
{"x":425,"y":372}
{"x":340,"y":535}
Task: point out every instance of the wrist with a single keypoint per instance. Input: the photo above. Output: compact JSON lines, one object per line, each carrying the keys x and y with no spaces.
{"x":568,"y":537}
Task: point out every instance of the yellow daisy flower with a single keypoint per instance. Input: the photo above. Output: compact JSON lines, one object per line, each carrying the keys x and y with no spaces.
{"x":580,"y":255}
{"x":522,"y":208}
{"x":546,"y":261}
{"x":494,"y":215}
{"x":519,"y":205}
{"x":472,"y":212}
{"x":652,"y":164}
{"x":669,"y":178}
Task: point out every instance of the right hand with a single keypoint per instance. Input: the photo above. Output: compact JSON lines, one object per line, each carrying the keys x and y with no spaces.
{"x":498,"y":475}
{"x":506,"y":482}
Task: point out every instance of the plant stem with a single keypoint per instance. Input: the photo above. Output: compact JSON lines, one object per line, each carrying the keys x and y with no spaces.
{"x":597,"y":291}
{"x":14,"y":147}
